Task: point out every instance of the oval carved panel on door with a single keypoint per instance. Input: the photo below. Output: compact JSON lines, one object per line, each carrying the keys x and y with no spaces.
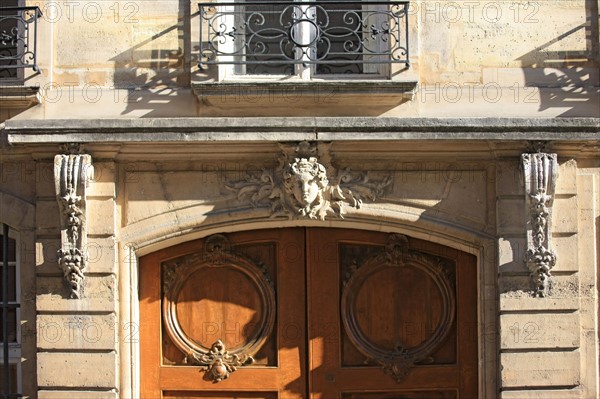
{"x":217,"y":290}
{"x":391,"y":288}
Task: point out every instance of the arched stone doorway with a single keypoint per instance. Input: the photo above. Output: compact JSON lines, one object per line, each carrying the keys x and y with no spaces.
{"x":308,"y":312}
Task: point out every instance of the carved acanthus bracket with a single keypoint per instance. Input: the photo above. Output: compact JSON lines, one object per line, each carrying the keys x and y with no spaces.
{"x":399,"y":365}
{"x":540,"y":172}
{"x":72,"y":173}
{"x":216,"y":248}
{"x":305,"y":185}
{"x":219,"y":363}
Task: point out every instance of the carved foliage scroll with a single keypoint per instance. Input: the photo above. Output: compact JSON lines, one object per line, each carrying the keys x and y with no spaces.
{"x":72,"y":173}
{"x":217,"y":360}
{"x":397,"y":255}
{"x":541,"y":171}
{"x":306,"y":185}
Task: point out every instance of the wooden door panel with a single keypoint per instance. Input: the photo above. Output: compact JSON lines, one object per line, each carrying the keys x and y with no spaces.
{"x":247,"y":378}
{"x":362,"y":379}
{"x":325,"y":313}
{"x":395,"y":315}
{"x":218,"y":301}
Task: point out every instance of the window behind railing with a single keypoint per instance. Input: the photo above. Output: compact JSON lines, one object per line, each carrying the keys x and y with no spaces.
{"x":326,"y":37}
{"x":8,"y":47}
{"x":345,"y":36}
{"x":18,"y":40}
{"x":275,"y":33}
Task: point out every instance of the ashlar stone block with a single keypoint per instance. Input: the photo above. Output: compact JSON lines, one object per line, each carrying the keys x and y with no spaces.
{"x":103,"y":182}
{"x":527,"y":331}
{"x":511,"y":215}
{"x":47,"y":217}
{"x":77,"y":394}
{"x":98,"y":295}
{"x":529,"y":303}
{"x":543,"y":394}
{"x":540,"y":369}
{"x":509,"y":178}
{"x":564,"y":215}
{"x":83,"y":332}
{"x":101,"y":217}
{"x":100,"y":252}
{"x":511,"y":255}
{"x":566,"y":184}
{"x":80,"y":370}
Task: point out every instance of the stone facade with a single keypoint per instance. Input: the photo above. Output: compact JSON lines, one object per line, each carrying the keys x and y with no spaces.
{"x":489,"y":143}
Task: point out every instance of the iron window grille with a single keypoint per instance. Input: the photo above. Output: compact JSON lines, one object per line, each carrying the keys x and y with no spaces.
{"x":18,"y":40}
{"x":11,"y":349}
{"x":329,"y":36}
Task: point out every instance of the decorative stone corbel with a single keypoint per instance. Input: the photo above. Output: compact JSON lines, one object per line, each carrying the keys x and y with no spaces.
{"x":306,"y":185}
{"x":540,"y":172}
{"x":72,"y":173}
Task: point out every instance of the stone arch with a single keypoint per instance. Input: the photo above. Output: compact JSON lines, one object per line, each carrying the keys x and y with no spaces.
{"x":172,"y":228}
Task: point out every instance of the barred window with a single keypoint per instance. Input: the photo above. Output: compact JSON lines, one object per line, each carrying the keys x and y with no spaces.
{"x":10,"y":370}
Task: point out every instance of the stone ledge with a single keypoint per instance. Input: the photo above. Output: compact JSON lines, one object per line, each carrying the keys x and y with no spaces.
{"x":19,"y":97}
{"x":302,"y":98}
{"x":299,"y":128}
{"x":277,"y":88}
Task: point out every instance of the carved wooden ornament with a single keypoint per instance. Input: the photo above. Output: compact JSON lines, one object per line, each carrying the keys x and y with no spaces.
{"x":397,"y":254}
{"x":540,"y":172}
{"x":217,"y":361}
{"x":306,"y":185}
{"x":72,"y":173}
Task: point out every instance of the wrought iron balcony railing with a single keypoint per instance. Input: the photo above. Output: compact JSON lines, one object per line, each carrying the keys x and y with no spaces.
{"x":321,"y":33}
{"x":18,"y":39}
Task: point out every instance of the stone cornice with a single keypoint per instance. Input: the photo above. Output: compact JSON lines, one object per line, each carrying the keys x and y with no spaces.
{"x":298,"y":129}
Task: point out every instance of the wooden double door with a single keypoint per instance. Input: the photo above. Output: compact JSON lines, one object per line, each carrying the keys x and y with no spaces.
{"x":308,"y":313}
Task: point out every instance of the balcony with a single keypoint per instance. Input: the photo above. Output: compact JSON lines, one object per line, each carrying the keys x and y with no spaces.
{"x":323,"y":37}
{"x":18,"y":51}
{"x":294,"y":57}
{"x":18,"y":40}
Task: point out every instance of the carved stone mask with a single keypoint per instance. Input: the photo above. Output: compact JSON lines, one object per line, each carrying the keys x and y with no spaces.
{"x":299,"y":187}
{"x":305,"y":179}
